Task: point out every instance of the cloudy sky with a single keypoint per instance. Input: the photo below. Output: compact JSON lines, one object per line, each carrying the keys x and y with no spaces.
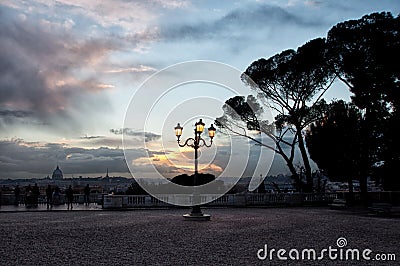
{"x":69,"y":68}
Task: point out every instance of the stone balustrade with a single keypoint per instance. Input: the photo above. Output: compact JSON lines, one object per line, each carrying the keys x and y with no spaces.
{"x":242,"y":199}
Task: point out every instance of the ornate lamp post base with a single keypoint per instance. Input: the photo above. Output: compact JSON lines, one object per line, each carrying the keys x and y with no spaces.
{"x":197,"y":217}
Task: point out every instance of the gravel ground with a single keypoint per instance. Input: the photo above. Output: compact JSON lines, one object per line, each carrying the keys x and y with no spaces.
{"x":162,"y":237}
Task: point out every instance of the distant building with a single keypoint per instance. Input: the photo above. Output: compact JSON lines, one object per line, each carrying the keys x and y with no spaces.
{"x":57,"y":174}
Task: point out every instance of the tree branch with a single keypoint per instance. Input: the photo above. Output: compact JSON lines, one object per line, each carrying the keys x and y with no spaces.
{"x":253,"y":139}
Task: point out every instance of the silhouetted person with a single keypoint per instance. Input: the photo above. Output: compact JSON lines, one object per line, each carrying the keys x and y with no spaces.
{"x":87,"y":194}
{"x":56,"y":196}
{"x":28,"y":196}
{"x":261,"y":188}
{"x":1,"y":191}
{"x":35,"y":193}
{"x":276,"y":187}
{"x":323,"y":186}
{"x":49,"y":196}
{"x":69,"y":193}
{"x":17,"y":192}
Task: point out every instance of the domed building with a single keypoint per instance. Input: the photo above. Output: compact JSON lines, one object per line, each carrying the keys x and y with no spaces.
{"x":57,"y":174}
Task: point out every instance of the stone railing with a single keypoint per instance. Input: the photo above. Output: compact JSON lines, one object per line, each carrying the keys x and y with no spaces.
{"x":242,"y":199}
{"x":9,"y":199}
{"x":248,"y":199}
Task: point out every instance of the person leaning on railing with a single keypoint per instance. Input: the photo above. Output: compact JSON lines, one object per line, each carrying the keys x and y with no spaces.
{"x":69,"y":193}
{"x":56,"y":196}
{"x":49,"y":196}
{"x":17,"y":192}
{"x":87,"y":194}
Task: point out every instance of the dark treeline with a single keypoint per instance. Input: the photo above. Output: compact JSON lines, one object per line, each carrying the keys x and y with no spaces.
{"x":185,"y":180}
{"x":355,"y":140}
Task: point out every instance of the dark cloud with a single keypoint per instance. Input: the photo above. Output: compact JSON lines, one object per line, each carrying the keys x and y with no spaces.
{"x":38,"y":160}
{"x":15,"y":113}
{"x":238,"y":23}
{"x":148,"y":136}
{"x":37,"y":66}
{"x":9,"y":117}
{"x":153,"y":153}
{"x":169,"y":170}
{"x":92,"y":137}
{"x":115,"y":141}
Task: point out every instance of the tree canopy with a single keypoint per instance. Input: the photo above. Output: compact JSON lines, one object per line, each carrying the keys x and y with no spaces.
{"x":360,"y":137}
{"x":334,"y":144}
{"x":292,"y":84}
{"x":365,"y":55}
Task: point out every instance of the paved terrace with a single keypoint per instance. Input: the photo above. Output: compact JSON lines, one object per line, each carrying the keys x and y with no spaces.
{"x":162,"y":237}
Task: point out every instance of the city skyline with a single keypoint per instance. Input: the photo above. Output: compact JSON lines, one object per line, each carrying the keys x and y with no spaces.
{"x":69,"y":69}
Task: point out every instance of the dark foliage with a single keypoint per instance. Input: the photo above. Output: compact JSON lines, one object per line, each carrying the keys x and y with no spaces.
{"x":185,"y":180}
{"x":135,"y":189}
{"x":365,"y":53}
{"x":334,"y":143}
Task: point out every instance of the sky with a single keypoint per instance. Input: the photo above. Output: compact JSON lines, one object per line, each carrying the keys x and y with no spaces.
{"x":69,"y":69}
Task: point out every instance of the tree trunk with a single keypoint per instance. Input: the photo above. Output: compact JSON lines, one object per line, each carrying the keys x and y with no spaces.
{"x":292,"y":169}
{"x":350,"y":200}
{"x":306,"y":161}
{"x":366,"y":147}
{"x":364,"y":189}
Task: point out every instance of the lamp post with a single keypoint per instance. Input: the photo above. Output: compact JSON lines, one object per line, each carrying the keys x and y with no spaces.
{"x":196,"y":143}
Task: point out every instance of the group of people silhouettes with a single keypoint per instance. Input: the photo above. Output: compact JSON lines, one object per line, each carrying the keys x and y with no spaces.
{"x":32,"y":195}
{"x":53,"y":196}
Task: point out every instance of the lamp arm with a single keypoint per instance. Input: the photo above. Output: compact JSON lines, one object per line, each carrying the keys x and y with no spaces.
{"x":204,"y":143}
{"x":187,"y":143}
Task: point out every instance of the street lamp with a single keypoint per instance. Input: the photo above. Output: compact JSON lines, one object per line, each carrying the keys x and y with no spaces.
{"x":196,"y":143}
